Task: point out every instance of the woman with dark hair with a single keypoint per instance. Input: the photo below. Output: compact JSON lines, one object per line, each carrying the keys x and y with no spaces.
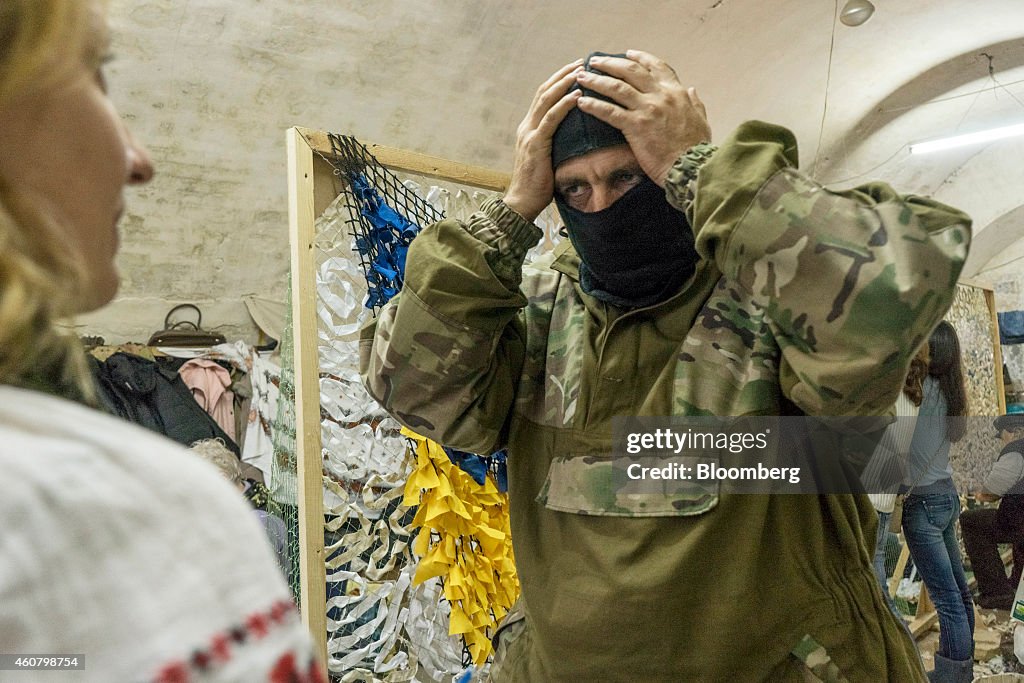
{"x":932,"y":507}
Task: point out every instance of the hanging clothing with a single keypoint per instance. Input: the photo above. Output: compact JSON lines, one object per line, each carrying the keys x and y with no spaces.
{"x":884,"y":472}
{"x":886,"y":467}
{"x":210,"y":383}
{"x":264,"y":377}
{"x":155,"y":397}
{"x":1011,"y":327}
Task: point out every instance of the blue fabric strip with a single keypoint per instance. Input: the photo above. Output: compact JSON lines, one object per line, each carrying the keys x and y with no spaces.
{"x":384,"y":247}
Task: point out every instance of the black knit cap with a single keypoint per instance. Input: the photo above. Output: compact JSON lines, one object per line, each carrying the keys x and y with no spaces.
{"x":579,"y":133}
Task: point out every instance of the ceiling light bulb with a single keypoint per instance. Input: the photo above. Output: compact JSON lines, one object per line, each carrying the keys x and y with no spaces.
{"x":856,"y":12}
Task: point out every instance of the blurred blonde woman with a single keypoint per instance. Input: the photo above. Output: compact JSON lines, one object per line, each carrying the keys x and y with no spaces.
{"x":120,"y":552}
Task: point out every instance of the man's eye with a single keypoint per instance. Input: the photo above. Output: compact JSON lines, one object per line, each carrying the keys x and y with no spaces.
{"x":571,"y":190}
{"x":627,"y":178}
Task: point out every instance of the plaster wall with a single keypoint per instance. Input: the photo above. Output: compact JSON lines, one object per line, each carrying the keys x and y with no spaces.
{"x":211,"y":85}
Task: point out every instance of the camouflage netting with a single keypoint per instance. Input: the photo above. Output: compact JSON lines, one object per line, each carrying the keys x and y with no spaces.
{"x":973,"y":455}
{"x":282,"y":485}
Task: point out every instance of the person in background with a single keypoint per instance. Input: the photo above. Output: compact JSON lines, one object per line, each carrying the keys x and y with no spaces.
{"x":985,"y":528}
{"x":216,"y":452}
{"x":932,"y":506}
{"x":119,"y":550}
{"x":892,"y":453}
{"x":696,"y":280}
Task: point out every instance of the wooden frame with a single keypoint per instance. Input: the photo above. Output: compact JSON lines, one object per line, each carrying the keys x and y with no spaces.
{"x":413,"y":162}
{"x":990,"y":299}
{"x":312,"y":186}
{"x":301,"y":217}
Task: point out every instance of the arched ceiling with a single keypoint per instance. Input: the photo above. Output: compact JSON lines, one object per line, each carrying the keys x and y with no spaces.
{"x":211,"y":85}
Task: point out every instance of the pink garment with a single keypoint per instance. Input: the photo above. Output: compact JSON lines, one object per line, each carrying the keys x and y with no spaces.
{"x":209,"y":383}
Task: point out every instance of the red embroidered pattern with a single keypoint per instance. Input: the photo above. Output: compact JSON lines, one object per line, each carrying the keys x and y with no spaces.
{"x":174,"y":673}
{"x":286,"y":671}
{"x":221,"y":645}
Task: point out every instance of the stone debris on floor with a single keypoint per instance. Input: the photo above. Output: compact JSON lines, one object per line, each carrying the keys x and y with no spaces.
{"x":993,"y":644}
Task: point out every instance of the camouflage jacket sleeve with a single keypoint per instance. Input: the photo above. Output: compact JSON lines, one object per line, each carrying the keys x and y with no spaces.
{"x":444,"y":356}
{"x":852,"y":282}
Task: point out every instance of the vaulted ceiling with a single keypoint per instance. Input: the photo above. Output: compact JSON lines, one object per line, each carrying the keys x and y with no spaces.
{"x":211,"y":85}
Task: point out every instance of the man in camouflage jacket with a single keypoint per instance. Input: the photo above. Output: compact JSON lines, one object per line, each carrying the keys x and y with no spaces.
{"x":802,"y":301}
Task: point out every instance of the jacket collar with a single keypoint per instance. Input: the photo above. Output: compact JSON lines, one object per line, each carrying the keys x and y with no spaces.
{"x":566,"y":260}
{"x":675,"y":315}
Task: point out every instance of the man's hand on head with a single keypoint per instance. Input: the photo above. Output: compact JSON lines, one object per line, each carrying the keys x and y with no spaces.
{"x":658,"y":115}
{"x":533,"y":181}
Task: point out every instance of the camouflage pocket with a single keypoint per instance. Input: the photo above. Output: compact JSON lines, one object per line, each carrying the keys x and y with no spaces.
{"x":511,"y":632}
{"x":819,"y":667}
{"x":651,"y":486}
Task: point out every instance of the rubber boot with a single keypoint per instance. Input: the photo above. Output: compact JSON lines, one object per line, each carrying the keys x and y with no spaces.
{"x":952,"y":670}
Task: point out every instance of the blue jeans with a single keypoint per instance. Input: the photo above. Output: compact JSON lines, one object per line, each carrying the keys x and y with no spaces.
{"x":929,"y":526}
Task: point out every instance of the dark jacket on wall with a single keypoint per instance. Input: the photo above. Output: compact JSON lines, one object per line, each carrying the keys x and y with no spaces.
{"x":143,"y":392}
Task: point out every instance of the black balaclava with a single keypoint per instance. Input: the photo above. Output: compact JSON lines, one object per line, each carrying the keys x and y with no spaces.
{"x":638,"y":251}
